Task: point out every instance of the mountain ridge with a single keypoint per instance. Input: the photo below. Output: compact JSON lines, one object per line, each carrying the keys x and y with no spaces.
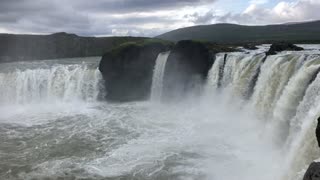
{"x":17,"y":47}
{"x":304,"y":32}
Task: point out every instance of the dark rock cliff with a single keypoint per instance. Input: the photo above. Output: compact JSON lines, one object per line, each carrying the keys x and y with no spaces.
{"x":186,"y":69}
{"x":128,"y":70}
{"x":283,"y":46}
{"x":313,"y":172}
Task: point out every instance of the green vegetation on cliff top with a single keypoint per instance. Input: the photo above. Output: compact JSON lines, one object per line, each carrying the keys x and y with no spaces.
{"x":142,"y":43}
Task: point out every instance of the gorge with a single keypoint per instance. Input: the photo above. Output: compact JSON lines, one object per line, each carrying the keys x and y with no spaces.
{"x":161,"y":111}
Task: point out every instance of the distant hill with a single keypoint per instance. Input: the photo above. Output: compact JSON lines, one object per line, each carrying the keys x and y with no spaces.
{"x":59,"y":45}
{"x":304,"y":32}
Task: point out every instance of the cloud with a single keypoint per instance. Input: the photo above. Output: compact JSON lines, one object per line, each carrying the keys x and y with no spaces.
{"x":139,"y":17}
{"x":201,"y":19}
{"x":98,"y":17}
{"x":259,"y":1}
{"x":125,"y":6}
{"x":300,"y":10}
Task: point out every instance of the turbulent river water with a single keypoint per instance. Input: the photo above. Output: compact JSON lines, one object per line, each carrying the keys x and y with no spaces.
{"x":255,"y":120}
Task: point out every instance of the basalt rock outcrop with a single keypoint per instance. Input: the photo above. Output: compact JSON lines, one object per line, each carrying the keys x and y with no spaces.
{"x":318,"y":132}
{"x":186,"y":69}
{"x":128,"y":69}
{"x":250,"y":47}
{"x":278,"y":47}
{"x":313,"y":172}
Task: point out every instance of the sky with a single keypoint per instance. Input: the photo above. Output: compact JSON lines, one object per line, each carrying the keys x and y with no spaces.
{"x":145,"y":17}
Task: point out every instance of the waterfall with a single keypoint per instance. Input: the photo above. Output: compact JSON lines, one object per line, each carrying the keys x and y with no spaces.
{"x":235,"y":71}
{"x":285,"y":96}
{"x":216,"y":72}
{"x":158,"y":73}
{"x":286,"y":107}
{"x":275,"y":74}
{"x":49,"y":83}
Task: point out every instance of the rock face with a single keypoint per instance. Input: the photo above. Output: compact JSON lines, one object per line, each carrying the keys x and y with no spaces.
{"x":186,"y":69}
{"x":278,"y":47}
{"x":128,"y":70}
{"x":318,"y":132}
{"x":313,"y":172}
{"x":250,"y":47}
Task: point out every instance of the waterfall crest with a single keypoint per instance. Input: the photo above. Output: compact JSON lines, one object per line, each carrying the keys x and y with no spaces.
{"x":158,"y":74}
{"x":216,"y":72}
{"x":285,"y":95}
{"x":59,"y":82}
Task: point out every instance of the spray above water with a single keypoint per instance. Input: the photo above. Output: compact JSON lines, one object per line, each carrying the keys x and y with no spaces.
{"x":158,"y":74}
{"x":284,"y":99}
{"x":36,"y":82}
{"x":227,"y":133}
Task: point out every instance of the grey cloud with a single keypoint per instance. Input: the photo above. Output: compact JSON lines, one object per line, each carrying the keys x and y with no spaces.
{"x":82,"y":16}
{"x":120,"y":6}
{"x":201,"y":19}
{"x":301,"y":10}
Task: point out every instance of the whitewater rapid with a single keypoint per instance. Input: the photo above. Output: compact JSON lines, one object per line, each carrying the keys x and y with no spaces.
{"x":284,"y":97}
{"x":255,"y":120}
{"x":50,"y":81}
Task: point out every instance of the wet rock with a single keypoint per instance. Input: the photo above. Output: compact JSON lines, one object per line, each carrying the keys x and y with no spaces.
{"x":283,"y":46}
{"x":128,"y":70}
{"x":250,"y":47}
{"x":186,"y":69}
{"x":318,"y":132}
{"x":313,"y":172}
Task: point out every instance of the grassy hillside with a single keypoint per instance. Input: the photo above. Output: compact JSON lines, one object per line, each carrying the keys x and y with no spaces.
{"x":59,"y":45}
{"x":308,"y":32}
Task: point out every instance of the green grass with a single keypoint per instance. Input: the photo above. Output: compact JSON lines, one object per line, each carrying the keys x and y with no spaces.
{"x":145,"y":42}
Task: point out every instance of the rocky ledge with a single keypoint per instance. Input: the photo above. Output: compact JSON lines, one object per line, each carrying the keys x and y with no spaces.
{"x":128,"y":69}
{"x":187,"y":68}
{"x":283,"y":46}
{"x":313,"y":172}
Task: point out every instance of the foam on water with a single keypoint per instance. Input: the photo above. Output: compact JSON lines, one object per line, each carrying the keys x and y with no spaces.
{"x":138,"y":141}
{"x":224,"y":134}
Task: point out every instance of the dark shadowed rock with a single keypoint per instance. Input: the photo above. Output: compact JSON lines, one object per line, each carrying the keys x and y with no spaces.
{"x":278,"y":47}
{"x":250,"y":47}
{"x":128,"y":69}
{"x":318,"y":132}
{"x":186,"y":69}
{"x":313,"y":172}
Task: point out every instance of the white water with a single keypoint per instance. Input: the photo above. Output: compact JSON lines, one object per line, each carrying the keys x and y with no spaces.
{"x":49,"y":82}
{"x":228,"y":133}
{"x":158,"y":74}
{"x":284,"y":100}
{"x":214,"y":73}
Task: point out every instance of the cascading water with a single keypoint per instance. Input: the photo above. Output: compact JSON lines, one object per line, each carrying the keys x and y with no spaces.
{"x":256,"y":120}
{"x":157,"y":80}
{"x":44,"y":81}
{"x":216,"y":72}
{"x":285,"y":97}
